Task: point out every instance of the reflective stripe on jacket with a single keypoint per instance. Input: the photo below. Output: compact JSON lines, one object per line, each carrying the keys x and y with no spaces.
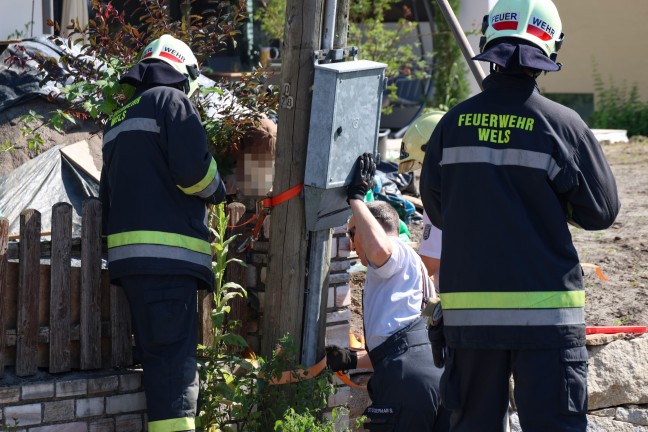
{"x":157,"y":180}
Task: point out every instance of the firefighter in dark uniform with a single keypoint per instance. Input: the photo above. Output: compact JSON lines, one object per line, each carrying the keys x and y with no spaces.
{"x":504,"y":173}
{"x":156,"y":184}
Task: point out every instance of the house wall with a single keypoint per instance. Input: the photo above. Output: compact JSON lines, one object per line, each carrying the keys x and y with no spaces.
{"x":23,"y":13}
{"x":602,"y":32}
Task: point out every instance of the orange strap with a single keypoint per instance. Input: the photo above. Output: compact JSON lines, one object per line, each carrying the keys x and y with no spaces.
{"x":293,"y":376}
{"x":296,"y":375}
{"x":282,"y":197}
{"x":599,"y":272}
{"x":266,"y":204}
{"x":346,"y":380}
{"x":243,"y":224}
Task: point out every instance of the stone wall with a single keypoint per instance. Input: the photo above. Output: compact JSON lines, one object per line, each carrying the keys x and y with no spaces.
{"x":617,"y":384}
{"x":80,"y":402}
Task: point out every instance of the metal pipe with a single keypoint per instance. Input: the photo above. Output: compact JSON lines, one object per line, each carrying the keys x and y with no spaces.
{"x":328,"y":29}
{"x":317,"y":293}
{"x":460,"y":36}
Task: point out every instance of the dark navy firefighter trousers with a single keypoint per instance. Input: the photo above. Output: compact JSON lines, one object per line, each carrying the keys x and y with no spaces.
{"x":404,"y":388}
{"x":164,"y":318}
{"x":550,"y":389}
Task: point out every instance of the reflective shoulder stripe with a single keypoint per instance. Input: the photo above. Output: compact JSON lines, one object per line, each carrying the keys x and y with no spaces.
{"x":513,"y":317}
{"x":203,"y":184}
{"x":134,"y":124}
{"x":513,"y":157}
{"x":159,"y":238}
{"x":513,"y":300}
{"x":158,"y":251}
{"x":172,"y":425}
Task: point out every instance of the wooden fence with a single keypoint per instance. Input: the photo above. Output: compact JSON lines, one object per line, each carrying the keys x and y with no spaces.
{"x":59,"y":316}
{"x":55,"y":315}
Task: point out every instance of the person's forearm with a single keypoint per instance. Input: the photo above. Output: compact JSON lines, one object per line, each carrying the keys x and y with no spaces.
{"x":376,"y":242}
{"x":364,"y":362}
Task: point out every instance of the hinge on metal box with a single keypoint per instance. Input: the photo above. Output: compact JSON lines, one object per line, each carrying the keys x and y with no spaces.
{"x":335,"y":55}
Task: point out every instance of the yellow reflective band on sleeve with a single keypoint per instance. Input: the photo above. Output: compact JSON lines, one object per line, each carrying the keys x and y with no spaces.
{"x":513,"y":300}
{"x":172,"y":425}
{"x":159,"y":238}
{"x":202,"y":184}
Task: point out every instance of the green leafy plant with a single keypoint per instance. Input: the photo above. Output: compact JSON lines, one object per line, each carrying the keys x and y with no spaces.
{"x":306,"y":422}
{"x":236,"y":390}
{"x":396,"y":46}
{"x":377,"y":41}
{"x":272,"y":16}
{"x":19,"y":34}
{"x":99,"y":54}
{"x":224,"y":292}
{"x":618,"y":107}
{"x":450,"y":83}
{"x":7,"y":146}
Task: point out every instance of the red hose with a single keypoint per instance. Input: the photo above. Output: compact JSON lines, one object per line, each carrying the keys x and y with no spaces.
{"x":614,"y":329}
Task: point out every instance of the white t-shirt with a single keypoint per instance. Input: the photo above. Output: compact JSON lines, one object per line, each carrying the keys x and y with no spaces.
{"x":393,"y":294}
{"x":430,"y":244}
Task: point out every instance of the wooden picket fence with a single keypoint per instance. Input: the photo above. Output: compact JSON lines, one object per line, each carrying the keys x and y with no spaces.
{"x":60,"y":317}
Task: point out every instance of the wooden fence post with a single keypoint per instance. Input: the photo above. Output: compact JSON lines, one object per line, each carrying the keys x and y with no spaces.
{"x":28,"y":297}
{"x":60,"y":307}
{"x":120,"y":328}
{"x":205,"y":306}
{"x":90,"y":332}
{"x":4,"y":240}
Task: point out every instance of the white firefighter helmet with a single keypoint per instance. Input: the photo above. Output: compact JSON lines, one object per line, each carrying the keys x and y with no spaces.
{"x":535,"y":21}
{"x":178,"y":55}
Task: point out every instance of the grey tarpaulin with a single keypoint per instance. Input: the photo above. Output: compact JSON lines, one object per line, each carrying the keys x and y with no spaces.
{"x":19,"y":74}
{"x":42,"y":182}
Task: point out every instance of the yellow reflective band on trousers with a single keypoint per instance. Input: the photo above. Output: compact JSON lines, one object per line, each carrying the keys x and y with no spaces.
{"x":159,"y":238}
{"x":513,"y":300}
{"x":172,"y":425}
{"x":202,"y":184}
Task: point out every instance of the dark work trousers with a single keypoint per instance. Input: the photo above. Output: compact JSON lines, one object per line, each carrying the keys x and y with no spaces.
{"x":550,"y":389}
{"x":404,"y":388}
{"x":164,"y":316}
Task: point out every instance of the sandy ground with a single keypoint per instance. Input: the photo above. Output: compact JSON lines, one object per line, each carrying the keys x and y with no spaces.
{"x":621,"y":252}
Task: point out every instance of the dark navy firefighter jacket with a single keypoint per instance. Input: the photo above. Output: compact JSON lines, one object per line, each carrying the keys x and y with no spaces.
{"x":156,"y":182}
{"x":504,"y":173}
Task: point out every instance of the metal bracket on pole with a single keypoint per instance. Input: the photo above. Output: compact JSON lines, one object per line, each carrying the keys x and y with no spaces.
{"x":335,"y":55}
{"x":460,"y":36}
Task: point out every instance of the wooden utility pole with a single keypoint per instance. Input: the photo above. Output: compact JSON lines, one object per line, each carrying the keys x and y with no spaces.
{"x":284,"y":302}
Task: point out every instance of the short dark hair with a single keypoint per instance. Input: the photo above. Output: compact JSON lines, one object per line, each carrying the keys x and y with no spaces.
{"x":386,"y":215}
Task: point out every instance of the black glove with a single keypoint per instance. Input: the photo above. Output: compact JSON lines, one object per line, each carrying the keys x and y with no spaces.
{"x":340,"y":359}
{"x":435,"y":333}
{"x":363,"y":171}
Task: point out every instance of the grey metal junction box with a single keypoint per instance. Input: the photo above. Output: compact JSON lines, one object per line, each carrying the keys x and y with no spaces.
{"x":344,"y":122}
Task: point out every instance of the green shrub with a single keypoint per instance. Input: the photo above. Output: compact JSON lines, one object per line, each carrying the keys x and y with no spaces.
{"x":616,"y":107}
{"x":450,"y":83}
{"x":235,"y":392}
{"x":114,"y":44}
